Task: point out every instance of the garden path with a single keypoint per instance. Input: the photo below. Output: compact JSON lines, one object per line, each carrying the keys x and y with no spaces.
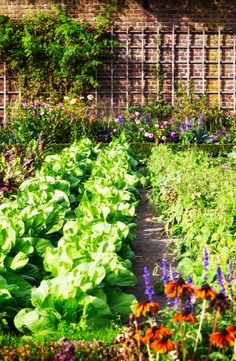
{"x":150,"y":247}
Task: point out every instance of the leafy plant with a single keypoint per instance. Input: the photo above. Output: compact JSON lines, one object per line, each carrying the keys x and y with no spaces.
{"x":53,"y":54}
{"x":195,"y":194}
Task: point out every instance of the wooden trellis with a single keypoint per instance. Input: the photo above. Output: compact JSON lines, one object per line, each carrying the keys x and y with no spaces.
{"x":151,"y":58}
{"x":207,"y":57}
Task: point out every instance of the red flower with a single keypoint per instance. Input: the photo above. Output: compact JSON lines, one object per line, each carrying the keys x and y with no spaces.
{"x":223,"y":339}
{"x":178,"y":289}
{"x":156,"y":334}
{"x":163,"y":346}
{"x":205,"y":292}
{"x":142,"y":309}
{"x":187,"y":317}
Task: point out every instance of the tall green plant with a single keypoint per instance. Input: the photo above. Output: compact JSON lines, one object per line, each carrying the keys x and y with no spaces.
{"x":53,"y":54}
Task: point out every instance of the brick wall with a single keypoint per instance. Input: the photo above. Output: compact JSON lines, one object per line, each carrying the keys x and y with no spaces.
{"x":158,"y":46}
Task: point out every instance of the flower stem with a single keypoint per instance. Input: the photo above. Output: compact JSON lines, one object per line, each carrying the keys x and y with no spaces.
{"x":200,"y":326}
{"x":182,"y":329}
{"x":217,"y":314}
{"x":234,"y":352}
{"x":149,"y":353}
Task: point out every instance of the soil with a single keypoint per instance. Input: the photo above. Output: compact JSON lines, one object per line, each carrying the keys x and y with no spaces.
{"x":150,"y":247}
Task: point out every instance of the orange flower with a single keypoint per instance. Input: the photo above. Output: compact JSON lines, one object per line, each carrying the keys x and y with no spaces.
{"x":178,"y":289}
{"x":187,"y":317}
{"x":163,"y":346}
{"x":231,"y":329}
{"x":205,"y":292}
{"x":223,"y":338}
{"x":142,"y":309}
{"x":150,"y":335}
{"x":156,"y":333}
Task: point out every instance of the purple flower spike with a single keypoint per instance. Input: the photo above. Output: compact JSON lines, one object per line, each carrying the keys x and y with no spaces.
{"x":231,"y":277}
{"x":149,"y":292}
{"x":172,"y":273}
{"x":189,"y":279}
{"x":165,"y":275}
{"x":220,"y":280}
{"x":205,"y":263}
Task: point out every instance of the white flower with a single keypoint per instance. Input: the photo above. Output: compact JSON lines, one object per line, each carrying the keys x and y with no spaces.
{"x":73,"y":101}
{"x":90,"y":97}
{"x":137,"y":114}
{"x":81,"y":98}
{"x":66,"y":98}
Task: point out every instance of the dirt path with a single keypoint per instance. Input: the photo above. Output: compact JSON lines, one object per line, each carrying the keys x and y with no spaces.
{"x":150,"y":247}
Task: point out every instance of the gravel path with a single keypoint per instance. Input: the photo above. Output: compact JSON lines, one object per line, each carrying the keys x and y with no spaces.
{"x":151,"y":245}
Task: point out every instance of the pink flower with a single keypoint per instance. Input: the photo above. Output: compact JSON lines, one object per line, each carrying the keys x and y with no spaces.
{"x":163,"y":137}
{"x":46,"y":106}
{"x":165,"y":122}
{"x":59,"y":105}
{"x":162,"y":126}
{"x":137,"y":114}
{"x":171,"y":120}
{"x":24,"y":104}
{"x":117,"y":120}
{"x":137,"y":121}
{"x":151,"y":135}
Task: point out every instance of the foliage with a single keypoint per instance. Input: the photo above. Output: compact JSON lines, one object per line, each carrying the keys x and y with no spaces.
{"x":66,"y":240}
{"x":53,"y":123}
{"x":197,"y":322}
{"x":17,"y":164}
{"x":53,"y":54}
{"x":191,"y":120}
{"x":196,"y":196}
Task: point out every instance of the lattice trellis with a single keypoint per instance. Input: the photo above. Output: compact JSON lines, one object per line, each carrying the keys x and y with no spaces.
{"x":151,"y":58}
{"x":207,"y":57}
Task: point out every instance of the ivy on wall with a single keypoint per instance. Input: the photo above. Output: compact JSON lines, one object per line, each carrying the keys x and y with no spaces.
{"x":53,"y":54}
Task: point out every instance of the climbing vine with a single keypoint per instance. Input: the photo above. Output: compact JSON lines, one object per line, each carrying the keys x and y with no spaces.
{"x":53,"y":54}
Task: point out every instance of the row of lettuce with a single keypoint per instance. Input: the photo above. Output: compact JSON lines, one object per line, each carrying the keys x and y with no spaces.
{"x":65,"y":239}
{"x":196,"y":195}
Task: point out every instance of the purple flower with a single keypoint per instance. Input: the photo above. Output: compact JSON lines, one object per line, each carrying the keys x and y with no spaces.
{"x":230,"y":277}
{"x":32,"y":107}
{"x":189,"y":279}
{"x":46,"y":106}
{"x":205,"y":263}
{"x":173,"y":134}
{"x":36,"y":103}
{"x":132,"y":116}
{"x":51,"y":110}
{"x":220,"y":280}
{"x":165,"y":275}
{"x":117,"y":120}
{"x":149,"y":292}
{"x":59,"y":105}
{"x":172,"y":273}
{"x":73,"y":118}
